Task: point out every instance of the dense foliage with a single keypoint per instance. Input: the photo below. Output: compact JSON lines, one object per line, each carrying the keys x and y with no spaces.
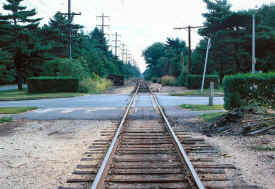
{"x":194,"y":81}
{"x":230,"y":53}
{"x":165,"y":59}
{"x":230,"y":32}
{"x":246,"y":89}
{"x":27,"y":50}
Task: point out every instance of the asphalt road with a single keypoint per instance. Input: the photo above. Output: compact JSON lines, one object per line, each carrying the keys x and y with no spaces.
{"x":108,"y":100}
{"x":99,"y":107}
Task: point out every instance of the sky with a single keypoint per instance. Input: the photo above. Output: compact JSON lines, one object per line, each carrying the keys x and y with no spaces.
{"x":140,"y":23}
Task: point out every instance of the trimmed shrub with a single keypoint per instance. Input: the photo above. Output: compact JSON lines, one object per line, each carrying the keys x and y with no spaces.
{"x":194,"y":81}
{"x":52,"y":84}
{"x":168,"y":80}
{"x":249,"y":89}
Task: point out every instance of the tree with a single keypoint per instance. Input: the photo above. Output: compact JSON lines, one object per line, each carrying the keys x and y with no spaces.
{"x":165,"y":59}
{"x":19,"y":40}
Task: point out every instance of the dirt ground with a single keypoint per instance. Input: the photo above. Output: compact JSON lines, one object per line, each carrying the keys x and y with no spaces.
{"x":166,"y":89}
{"x":42,"y":154}
{"x":254,"y":167}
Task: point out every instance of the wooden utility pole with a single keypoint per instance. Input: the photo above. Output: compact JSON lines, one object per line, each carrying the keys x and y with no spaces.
{"x":189,"y":28}
{"x":116,"y":43}
{"x":102,"y":25}
{"x":123,"y":49}
{"x":127,"y":54}
{"x":70,"y":18}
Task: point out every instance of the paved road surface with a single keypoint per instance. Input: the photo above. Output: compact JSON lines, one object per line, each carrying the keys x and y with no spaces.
{"x":99,"y":107}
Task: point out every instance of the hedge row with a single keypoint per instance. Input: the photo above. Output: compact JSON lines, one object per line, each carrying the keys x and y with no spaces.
{"x":52,"y":84}
{"x":246,"y":89}
{"x":194,"y":81}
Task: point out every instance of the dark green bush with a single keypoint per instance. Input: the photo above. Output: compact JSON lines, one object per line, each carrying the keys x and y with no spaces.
{"x":247,"y":89}
{"x":52,"y":84}
{"x":156,"y":80}
{"x":194,"y":81}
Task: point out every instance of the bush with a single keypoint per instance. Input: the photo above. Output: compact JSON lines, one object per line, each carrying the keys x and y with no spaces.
{"x":52,"y":84}
{"x":156,"y":80}
{"x":95,"y":84}
{"x":246,"y":89}
{"x":194,"y":81}
{"x":168,"y":80}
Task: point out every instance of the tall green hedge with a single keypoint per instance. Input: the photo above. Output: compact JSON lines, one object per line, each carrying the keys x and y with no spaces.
{"x":52,"y":84}
{"x":245,"y":89}
{"x":194,"y":81}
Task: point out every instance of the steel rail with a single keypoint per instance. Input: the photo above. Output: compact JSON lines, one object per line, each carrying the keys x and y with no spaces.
{"x":102,"y":169}
{"x":186,"y":159}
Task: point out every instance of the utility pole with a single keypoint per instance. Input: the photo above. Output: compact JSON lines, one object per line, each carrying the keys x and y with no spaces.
{"x":126,"y":54}
{"x":123,"y":49}
{"x":253,"y":44}
{"x":116,"y":43}
{"x":70,"y":18}
{"x":102,"y":25}
{"x":189,"y":28}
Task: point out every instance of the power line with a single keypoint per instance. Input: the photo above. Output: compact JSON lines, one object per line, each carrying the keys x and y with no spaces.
{"x":189,"y":28}
{"x":102,"y":25}
{"x":116,"y":43}
{"x":70,"y":15}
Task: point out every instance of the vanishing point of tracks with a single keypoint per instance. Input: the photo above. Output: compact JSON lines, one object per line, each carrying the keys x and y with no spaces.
{"x":149,"y":154}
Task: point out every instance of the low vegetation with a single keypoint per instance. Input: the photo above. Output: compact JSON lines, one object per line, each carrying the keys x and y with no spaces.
{"x":211,"y":117}
{"x":15,"y":110}
{"x":206,"y":92}
{"x":201,"y":107}
{"x":11,"y":95}
{"x":95,"y":85}
{"x":263,"y":148}
{"x":5,"y":119}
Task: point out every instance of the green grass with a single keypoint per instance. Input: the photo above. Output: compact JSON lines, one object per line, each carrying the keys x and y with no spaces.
{"x":15,"y":110}
{"x":206,"y":92}
{"x":212,"y":116}
{"x":263,"y":148}
{"x":201,"y":107}
{"x":11,"y":95}
{"x":5,"y":119}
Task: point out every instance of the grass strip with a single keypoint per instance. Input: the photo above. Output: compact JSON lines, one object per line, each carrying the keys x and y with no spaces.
{"x":201,"y":107}
{"x":13,"y":95}
{"x":206,"y":92}
{"x":263,"y":148}
{"x":15,"y":110}
{"x":5,"y":119}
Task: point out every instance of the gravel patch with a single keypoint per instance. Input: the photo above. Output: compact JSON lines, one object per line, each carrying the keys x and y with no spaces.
{"x":42,"y":154}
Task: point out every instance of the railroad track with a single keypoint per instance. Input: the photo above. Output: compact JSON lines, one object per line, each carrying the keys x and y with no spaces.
{"x":149,"y":155}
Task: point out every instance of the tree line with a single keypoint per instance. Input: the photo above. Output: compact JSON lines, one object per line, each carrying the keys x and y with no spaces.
{"x":28,"y":49}
{"x":231,"y":35}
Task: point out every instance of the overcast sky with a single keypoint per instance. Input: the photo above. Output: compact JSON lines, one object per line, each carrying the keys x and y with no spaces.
{"x":139,"y":22}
